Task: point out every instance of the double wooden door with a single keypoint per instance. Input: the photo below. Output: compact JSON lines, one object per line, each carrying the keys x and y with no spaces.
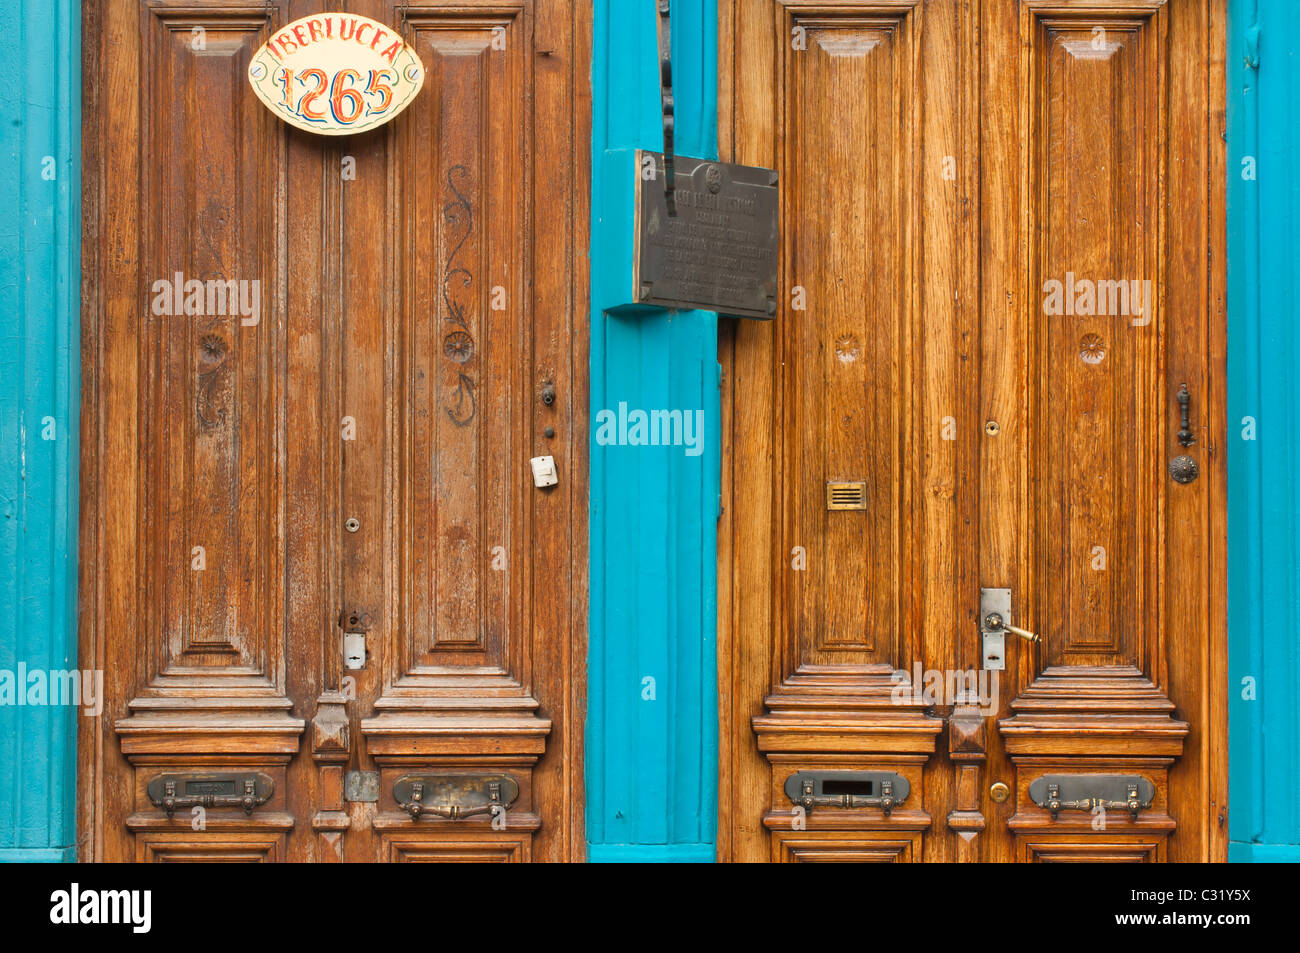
{"x":1002,"y":260}
{"x":316,"y":571}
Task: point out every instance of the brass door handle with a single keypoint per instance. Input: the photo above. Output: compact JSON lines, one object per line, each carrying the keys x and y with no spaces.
{"x":994,"y":622}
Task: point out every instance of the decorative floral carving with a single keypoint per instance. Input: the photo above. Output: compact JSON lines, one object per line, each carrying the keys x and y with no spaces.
{"x":1092,"y":349}
{"x":213,"y":351}
{"x":458,"y":345}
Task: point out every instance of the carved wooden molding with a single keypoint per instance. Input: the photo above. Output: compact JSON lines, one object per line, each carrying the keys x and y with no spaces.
{"x":395,"y":736}
{"x":967,"y":743}
{"x":198,"y":733}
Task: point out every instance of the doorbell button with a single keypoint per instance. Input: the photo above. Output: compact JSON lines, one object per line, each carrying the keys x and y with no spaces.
{"x":544,"y":471}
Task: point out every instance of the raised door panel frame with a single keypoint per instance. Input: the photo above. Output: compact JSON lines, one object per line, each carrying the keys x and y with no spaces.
{"x":845,"y":668}
{"x":456,"y":615}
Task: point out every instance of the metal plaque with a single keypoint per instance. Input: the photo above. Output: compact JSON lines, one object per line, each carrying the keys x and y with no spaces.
{"x":719,"y":251}
{"x":361,"y":786}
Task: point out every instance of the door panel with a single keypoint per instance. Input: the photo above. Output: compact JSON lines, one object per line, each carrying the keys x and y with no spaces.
{"x":851,"y":376}
{"x":942,"y":165}
{"x":353,"y":460}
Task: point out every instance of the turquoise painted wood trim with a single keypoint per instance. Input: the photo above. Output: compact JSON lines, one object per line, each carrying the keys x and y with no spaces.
{"x":1240,"y":853}
{"x":40,"y":192}
{"x":651,"y":762}
{"x":1263,"y":472}
{"x":653,"y":853}
{"x":38,"y":855}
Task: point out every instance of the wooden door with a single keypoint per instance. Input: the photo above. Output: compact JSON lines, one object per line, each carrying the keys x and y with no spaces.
{"x":351,"y":459}
{"x":965,"y":185}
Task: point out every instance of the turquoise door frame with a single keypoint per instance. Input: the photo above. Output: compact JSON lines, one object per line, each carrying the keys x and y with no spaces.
{"x":40,"y":373}
{"x":1264,"y":429}
{"x":652,"y":723}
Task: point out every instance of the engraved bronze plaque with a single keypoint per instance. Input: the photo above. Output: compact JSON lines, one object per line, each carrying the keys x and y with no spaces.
{"x":719,"y":251}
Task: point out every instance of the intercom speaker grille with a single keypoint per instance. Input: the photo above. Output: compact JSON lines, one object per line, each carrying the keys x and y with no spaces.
{"x":846,"y":495}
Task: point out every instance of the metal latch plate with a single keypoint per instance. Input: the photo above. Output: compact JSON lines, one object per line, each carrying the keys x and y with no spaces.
{"x":361,"y":786}
{"x":354,"y":650}
{"x":994,"y":642}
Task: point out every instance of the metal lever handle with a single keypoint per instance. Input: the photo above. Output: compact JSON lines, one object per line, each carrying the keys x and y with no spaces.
{"x":995,"y":623}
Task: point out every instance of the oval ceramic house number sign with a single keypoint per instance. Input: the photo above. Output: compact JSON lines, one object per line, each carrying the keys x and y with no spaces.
{"x":336,"y":73}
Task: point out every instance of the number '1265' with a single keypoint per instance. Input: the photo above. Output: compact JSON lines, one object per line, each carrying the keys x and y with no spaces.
{"x":346,"y":100}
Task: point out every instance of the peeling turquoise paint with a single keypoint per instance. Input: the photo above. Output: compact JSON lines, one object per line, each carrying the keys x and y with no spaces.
{"x":1263,"y":470}
{"x":651,"y":746}
{"x":40,"y":193}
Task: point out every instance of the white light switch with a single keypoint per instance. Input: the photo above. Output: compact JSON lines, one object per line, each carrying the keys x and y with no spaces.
{"x":544,"y":471}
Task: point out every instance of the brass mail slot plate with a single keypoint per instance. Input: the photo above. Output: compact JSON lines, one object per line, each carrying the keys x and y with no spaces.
{"x":847,"y":788}
{"x":1088,"y":792}
{"x":846,"y":495}
{"x":244,"y":790}
{"x":454,"y":796}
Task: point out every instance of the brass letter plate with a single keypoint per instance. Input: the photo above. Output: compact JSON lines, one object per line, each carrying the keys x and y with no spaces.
{"x":240,"y":789}
{"x":849,"y":789}
{"x":719,"y":252}
{"x":1087,"y":792}
{"x":454,"y":796}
